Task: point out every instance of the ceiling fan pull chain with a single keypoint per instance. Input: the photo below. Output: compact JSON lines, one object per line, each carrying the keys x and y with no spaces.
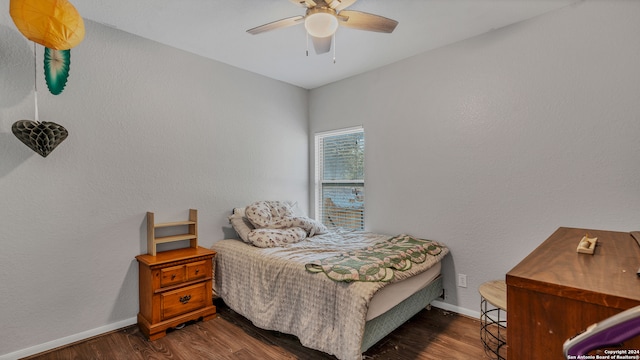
{"x":307,"y":33}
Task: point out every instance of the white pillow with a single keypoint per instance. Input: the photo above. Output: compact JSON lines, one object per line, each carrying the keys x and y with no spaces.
{"x":241,"y":224}
{"x":268,"y":214}
{"x":267,"y":238}
{"x":295,"y":208}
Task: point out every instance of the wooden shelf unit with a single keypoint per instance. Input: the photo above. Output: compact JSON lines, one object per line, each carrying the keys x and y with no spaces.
{"x":191,"y":235}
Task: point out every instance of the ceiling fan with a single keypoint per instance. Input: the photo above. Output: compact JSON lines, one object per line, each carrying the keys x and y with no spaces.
{"x":323,"y":18}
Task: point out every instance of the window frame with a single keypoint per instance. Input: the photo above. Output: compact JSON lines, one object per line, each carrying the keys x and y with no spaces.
{"x":319,"y":170}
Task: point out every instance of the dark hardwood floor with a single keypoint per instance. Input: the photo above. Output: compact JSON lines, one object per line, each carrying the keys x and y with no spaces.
{"x":430,"y":335}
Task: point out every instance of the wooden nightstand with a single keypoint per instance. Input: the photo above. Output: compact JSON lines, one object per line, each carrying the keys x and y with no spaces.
{"x":175,"y":287}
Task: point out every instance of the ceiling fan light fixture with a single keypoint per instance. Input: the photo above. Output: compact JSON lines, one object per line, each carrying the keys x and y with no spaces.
{"x":321,"y":22}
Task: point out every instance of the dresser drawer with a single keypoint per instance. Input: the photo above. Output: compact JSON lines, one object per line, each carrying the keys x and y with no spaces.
{"x":177,"y":302}
{"x":197,"y":270}
{"x":172,"y":275}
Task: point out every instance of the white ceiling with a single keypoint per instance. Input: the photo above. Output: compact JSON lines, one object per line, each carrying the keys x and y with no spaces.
{"x":217,"y":29}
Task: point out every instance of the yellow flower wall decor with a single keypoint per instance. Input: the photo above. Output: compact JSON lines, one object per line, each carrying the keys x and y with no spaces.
{"x":55,"y":24}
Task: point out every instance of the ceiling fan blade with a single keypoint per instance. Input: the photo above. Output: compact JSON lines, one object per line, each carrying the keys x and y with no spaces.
{"x":340,"y":4}
{"x":278,"y":24}
{"x":305,"y":3}
{"x":322,"y":45}
{"x":365,"y":21}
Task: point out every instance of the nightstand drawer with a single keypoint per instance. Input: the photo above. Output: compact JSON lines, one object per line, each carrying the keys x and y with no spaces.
{"x":172,"y":275}
{"x":176,"y":302}
{"x":197,"y":270}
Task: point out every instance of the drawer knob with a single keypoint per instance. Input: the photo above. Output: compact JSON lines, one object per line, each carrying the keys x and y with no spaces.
{"x":173,"y":276}
{"x":197,"y":271}
{"x":185,"y":299}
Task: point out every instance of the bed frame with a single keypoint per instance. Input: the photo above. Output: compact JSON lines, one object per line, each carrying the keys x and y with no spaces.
{"x":381,"y":326}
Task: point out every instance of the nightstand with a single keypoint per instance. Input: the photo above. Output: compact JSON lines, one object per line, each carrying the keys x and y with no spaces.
{"x":175,"y":287}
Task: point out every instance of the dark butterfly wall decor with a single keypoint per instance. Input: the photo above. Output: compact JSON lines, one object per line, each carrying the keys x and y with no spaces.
{"x":41,"y":137}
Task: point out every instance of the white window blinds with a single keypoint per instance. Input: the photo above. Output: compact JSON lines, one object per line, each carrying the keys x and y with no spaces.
{"x":340,"y":178}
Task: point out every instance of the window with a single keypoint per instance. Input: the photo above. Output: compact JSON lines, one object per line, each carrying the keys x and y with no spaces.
{"x":340,"y":178}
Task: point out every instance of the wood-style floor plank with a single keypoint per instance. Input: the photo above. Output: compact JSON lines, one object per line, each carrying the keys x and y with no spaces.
{"x":430,"y":335}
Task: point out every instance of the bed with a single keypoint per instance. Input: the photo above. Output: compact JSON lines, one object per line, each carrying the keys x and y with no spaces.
{"x":302,"y":288}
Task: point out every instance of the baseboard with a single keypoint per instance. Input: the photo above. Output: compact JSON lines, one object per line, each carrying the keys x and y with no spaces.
{"x":68,"y":339}
{"x":127,"y":322}
{"x":453,"y":308}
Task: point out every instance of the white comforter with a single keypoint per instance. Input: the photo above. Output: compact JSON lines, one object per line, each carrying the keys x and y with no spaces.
{"x":271,"y":287}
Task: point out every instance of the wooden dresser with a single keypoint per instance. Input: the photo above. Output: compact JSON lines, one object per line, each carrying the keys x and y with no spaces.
{"x":175,"y":287}
{"x":556,"y":292}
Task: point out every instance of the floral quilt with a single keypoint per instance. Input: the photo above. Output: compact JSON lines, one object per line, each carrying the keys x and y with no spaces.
{"x":378,"y":262}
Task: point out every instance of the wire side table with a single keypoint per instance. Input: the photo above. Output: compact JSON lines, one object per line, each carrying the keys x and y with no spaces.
{"x":493,"y":318}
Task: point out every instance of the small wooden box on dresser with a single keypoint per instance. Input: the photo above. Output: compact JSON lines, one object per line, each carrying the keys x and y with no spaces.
{"x":175,"y":287}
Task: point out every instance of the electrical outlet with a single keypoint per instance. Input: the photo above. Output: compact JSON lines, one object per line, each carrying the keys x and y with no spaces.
{"x":462,"y":280}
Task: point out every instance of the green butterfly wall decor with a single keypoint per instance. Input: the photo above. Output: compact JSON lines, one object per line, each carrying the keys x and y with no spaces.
{"x":56,"y":69}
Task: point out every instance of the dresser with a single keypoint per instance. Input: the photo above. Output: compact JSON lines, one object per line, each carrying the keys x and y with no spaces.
{"x":175,"y":287}
{"x":556,"y":292}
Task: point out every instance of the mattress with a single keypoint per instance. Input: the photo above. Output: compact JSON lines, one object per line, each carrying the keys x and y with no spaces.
{"x":394,"y":293}
{"x":380,"y":326}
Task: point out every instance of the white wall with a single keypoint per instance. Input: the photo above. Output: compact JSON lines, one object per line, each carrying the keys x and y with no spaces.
{"x":489,"y":145}
{"x":151,"y":128}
